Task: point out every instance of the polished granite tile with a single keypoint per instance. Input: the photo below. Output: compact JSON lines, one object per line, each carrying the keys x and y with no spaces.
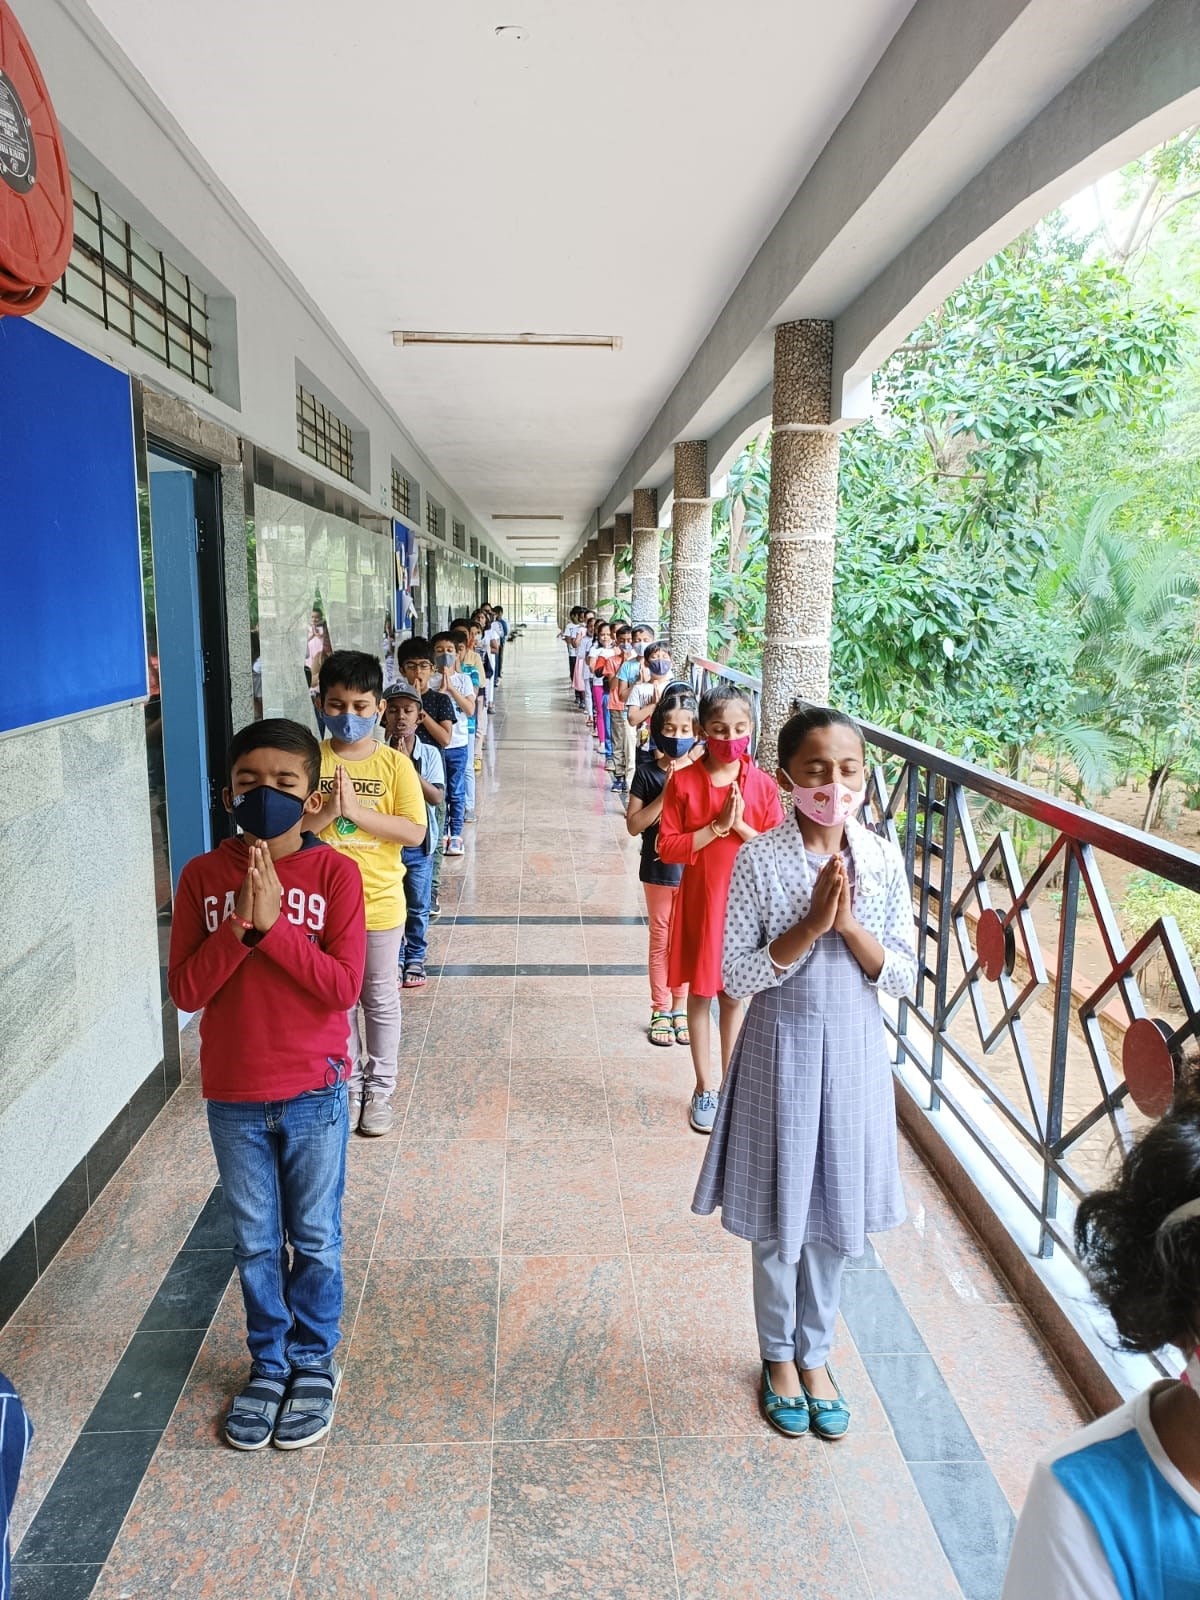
{"x":251,"y":1509}
{"x":697,"y":1321}
{"x":896,"y":1541}
{"x":921,"y":1409}
{"x":459,"y":1095}
{"x":444,"y":1200}
{"x":59,"y":1376}
{"x":409,"y":1522}
{"x":570,"y":1361}
{"x":758,"y":1517}
{"x":147,"y":1382}
{"x":555,"y":1098}
{"x":175,"y":1151}
{"x":561,"y":1196}
{"x":369,"y":1164}
{"x":78,"y":1519}
{"x":648,"y":1092}
{"x":213,"y":1228}
{"x":876,"y":1315}
{"x":539,"y":1031}
{"x":571,"y":991}
{"x":973,"y":1519}
{"x":541,"y":944}
{"x":422,"y":1355}
{"x":584,"y":1518}
{"x":32,"y":1582}
{"x":190,"y":1291}
{"x":658,"y":1179}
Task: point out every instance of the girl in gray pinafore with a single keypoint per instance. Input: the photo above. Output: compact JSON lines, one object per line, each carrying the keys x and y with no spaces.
{"x":802,"y":1160}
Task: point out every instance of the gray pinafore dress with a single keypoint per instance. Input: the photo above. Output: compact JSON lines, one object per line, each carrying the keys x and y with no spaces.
{"x":804,"y":1145}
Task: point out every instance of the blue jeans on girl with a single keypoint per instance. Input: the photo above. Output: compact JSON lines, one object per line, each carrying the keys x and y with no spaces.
{"x":283,"y":1167}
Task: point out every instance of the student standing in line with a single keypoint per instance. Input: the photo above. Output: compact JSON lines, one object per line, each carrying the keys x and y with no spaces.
{"x":710,"y":809}
{"x":582,"y":678}
{"x":623,"y":634}
{"x":1114,"y":1512}
{"x":502,"y":626}
{"x":604,"y":662}
{"x":435,"y":726}
{"x":803,"y":1155}
{"x":448,"y":680}
{"x":644,"y":694}
{"x":573,"y":634}
{"x":462,"y":641}
{"x":402,"y":712}
{"x":631,"y":672}
{"x":373,"y":807}
{"x":675,"y":739}
{"x":268,"y":940}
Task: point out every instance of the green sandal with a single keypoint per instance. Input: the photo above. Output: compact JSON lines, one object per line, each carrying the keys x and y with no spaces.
{"x":680,"y":1024}
{"x":661,"y":1029}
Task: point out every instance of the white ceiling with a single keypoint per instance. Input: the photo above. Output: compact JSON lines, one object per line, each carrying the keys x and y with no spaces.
{"x":614,"y":173}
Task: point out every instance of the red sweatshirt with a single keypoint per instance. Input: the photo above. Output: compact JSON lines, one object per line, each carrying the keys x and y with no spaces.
{"x":274,"y":1010}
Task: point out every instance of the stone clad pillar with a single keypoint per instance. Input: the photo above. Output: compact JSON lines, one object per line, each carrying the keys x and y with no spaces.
{"x":591,"y":563}
{"x":622,"y":540}
{"x":803,"y":525}
{"x":691,"y":553}
{"x":606,"y":571}
{"x":647,"y":543}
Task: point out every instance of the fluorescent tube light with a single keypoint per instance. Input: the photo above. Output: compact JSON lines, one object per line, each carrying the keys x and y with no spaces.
{"x":569,"y":341}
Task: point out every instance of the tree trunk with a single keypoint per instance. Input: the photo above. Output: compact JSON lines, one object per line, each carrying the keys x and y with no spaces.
{"x":1154,"y":797}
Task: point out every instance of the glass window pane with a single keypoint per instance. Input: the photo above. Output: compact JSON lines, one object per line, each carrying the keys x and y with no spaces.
{"x":150,"y":338}
{"x":147,"y":278}
{"x":83,"y":292}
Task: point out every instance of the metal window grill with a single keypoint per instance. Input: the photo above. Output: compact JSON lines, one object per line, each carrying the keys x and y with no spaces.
{"x":117,"y":277}
{"x":433,"y":518}
{"x":401,"y":493}
{"x":323,"y":435}
{"x":460,"y":536}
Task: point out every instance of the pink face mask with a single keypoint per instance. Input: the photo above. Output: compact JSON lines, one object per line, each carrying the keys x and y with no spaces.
{"x":725,"y":750}
{"x":828,"y":804}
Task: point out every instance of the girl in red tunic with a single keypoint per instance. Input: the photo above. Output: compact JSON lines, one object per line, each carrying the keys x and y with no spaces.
{"x":709,"y":809}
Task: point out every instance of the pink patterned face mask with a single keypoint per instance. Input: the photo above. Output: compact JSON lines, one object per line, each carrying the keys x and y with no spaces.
{"x":828,"y":804}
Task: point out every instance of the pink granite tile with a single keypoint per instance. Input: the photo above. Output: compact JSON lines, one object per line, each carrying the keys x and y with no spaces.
{"x":444,"y":1199}
{"x":570,"y":1361}
{"x":648,"y":1092}
{"x":561,"y":1196}
{"x":658,"y":1180}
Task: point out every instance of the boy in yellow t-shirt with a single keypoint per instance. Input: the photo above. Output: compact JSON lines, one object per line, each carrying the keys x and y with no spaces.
{"x":373,"y":807}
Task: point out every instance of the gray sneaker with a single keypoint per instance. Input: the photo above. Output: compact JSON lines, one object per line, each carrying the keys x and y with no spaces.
{"x":377,"y":1115}
{"x":354,"y":1100}
{"x":703,"y":1112}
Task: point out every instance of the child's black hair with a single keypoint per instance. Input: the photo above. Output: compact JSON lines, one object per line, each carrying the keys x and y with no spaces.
{"x":656,"y":647}
{"x":447,"y":634}
{"x":722,"y":694}
{"x":804,"y":718}
{"x":460,"y":622}
{"x":414,"y":649}
{"x":276,"y":733}
{"x":460,"y":636}
{"x":1148,"y":1276}
{"x":675,"y":697}
{"x":353,"y":669}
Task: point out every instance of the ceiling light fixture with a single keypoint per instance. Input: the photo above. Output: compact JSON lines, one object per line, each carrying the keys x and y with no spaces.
{"x":561,"y":341}
{"x":526,"y":516}
{"x":511,"y":33}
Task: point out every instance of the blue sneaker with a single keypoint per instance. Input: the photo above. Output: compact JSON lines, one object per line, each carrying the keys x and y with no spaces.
{"x":703,"y":1112}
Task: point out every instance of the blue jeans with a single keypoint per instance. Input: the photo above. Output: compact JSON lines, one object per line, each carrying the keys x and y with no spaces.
{"x":456,"y":789}
{"x":418,"y":886}
{"x":283,"y":1168}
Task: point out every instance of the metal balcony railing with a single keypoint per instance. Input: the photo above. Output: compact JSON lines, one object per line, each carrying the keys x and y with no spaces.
{"x":1030,"y":1026}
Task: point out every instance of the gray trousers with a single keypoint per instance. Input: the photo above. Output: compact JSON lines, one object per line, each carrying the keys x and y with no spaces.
{"x":373,"y":1061}
{"x":796,"y":1303}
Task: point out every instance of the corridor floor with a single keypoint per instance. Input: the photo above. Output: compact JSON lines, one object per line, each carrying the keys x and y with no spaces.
{"x":551,"y":1366}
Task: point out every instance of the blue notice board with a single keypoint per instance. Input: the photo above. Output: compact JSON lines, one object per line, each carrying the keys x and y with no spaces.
{"x":70,"y":554}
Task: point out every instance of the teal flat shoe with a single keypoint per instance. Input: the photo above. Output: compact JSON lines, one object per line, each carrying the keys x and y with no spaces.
{"x":830,"y":1418}
{"x":788,"y":1417}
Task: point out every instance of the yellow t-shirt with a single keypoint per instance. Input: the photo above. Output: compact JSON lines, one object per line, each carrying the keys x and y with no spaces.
{"x":386,"y":781}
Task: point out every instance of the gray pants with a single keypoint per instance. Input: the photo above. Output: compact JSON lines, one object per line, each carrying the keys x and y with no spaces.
{"x":373,"y":1063}
{"x":796,"y":1303}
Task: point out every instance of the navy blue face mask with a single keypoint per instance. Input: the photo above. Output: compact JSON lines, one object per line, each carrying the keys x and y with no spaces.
{"x":349,"y":728}
{"x":658,"y":668}
{"x":673,"y":748}
{"x":267,"y":813}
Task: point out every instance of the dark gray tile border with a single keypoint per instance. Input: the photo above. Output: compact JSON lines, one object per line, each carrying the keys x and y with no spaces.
{"x":47,"y":1582}
{"x":148,"y":1380}
{"x":539,"y":969}
{"x":973,"y":1521}
{"x":78,"y":1521}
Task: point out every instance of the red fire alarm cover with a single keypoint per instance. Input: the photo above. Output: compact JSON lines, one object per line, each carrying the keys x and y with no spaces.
{"x":36,"y":206}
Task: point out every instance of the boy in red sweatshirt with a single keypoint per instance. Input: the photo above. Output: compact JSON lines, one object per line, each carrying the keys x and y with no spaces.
{"x":268,"y":940}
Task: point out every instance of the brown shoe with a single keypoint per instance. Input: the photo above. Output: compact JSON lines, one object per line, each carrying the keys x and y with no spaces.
{"x":377,"y":1115}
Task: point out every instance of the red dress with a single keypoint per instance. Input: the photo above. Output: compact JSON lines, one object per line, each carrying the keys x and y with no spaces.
{"x":691,"y":802}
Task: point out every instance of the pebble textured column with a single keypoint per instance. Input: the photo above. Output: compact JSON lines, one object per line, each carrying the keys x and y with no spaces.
{"x":647,"y":547}
{"x":803,"y":523}
{"x":622,"y":539}
{"x":606,"y":570}
{"x":591,"y":562}
{"x":691,"y":553}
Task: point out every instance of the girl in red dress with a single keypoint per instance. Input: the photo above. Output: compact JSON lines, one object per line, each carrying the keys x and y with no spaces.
{"x":709,"y":809}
